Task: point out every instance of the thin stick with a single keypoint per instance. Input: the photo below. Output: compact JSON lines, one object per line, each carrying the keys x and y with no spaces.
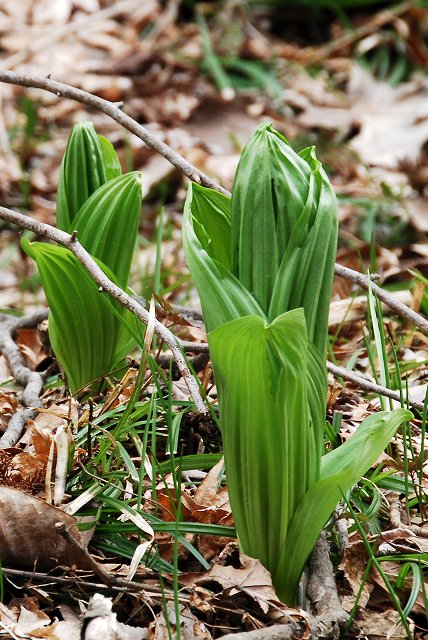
{"x":67,"y":240}
{"x":364,"y":282}
{"x":78,"y":582}
{"x":350,"y":37}
{"x":362,"y":383}
{"x":114,"y":112}
{"x":338,"y":372}
{"x":88,"y":561}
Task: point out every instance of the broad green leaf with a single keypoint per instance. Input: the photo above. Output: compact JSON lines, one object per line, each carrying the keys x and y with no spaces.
{"x":87,"y":337}
{"x":340,"y":470}
{"x":211,"y":213}
{"x":223,"y":297}
{"x":111,"y":161}
{"x":107,"y":224}
{"x":305,"y":276}
{"x":270,"y":191}
{"x":262,"y":380}
{"x":82,"y":172}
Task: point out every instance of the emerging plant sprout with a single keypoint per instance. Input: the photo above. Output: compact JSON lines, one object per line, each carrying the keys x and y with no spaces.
{"x":90,"y":334}
{"x":263,"y":264}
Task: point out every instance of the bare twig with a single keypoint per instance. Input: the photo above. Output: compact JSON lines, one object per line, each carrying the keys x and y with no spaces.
{"x":291,"y":631}
{"x":111,"y":289}
{"x":367,"y":385}
{"x":364,"y":282}
{"x":113,"y":111}
{"x":31,"y":321}
{"x":118,"y":584}
{"x":87,"y":560}
{"x":32,"y":381}
{"x":338,"y":372}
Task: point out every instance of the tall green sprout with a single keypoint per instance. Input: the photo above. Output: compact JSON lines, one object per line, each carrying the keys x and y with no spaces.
{"x":90,"y":334}
{"x":263,"y":264}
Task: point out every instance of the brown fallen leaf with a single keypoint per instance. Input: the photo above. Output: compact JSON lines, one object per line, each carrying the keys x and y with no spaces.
{"x":392,"y":121}
{"x":376,"y":625}
{"x":353,"y":565}
{"x":8,"y":406}
{"x":28,"y":537}
{"x":28,"y":340}
{"x":249,"y":580}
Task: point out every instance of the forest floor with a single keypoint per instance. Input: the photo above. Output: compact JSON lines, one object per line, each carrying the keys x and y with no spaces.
{"x":202,"y":77}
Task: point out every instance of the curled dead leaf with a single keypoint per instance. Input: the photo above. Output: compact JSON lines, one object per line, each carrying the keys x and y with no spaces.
{"x":28,"y":537}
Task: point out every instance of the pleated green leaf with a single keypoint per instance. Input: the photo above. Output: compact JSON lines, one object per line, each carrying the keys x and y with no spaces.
{"x":82,"y":172}
{"x":305,"y":276}
{"x":340,"y":470}
{"x":107,"y":224}
{"x":268,"y":432}
{"x":110,"y":160}
{"x":284,"y":230}
{"x":269,"y":192}
{"x":206,"y":236}
{"x":88,"y":339}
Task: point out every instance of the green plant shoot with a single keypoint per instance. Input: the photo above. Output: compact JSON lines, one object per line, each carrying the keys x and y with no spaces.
{"x":263,"y":263}
{"x":90,"y":335}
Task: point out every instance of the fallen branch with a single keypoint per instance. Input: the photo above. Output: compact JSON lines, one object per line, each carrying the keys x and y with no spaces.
{"x":107,"y":286}
{"x":32,"y":381}
{"x":322,"y":591}
{"x":114,"y":112}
